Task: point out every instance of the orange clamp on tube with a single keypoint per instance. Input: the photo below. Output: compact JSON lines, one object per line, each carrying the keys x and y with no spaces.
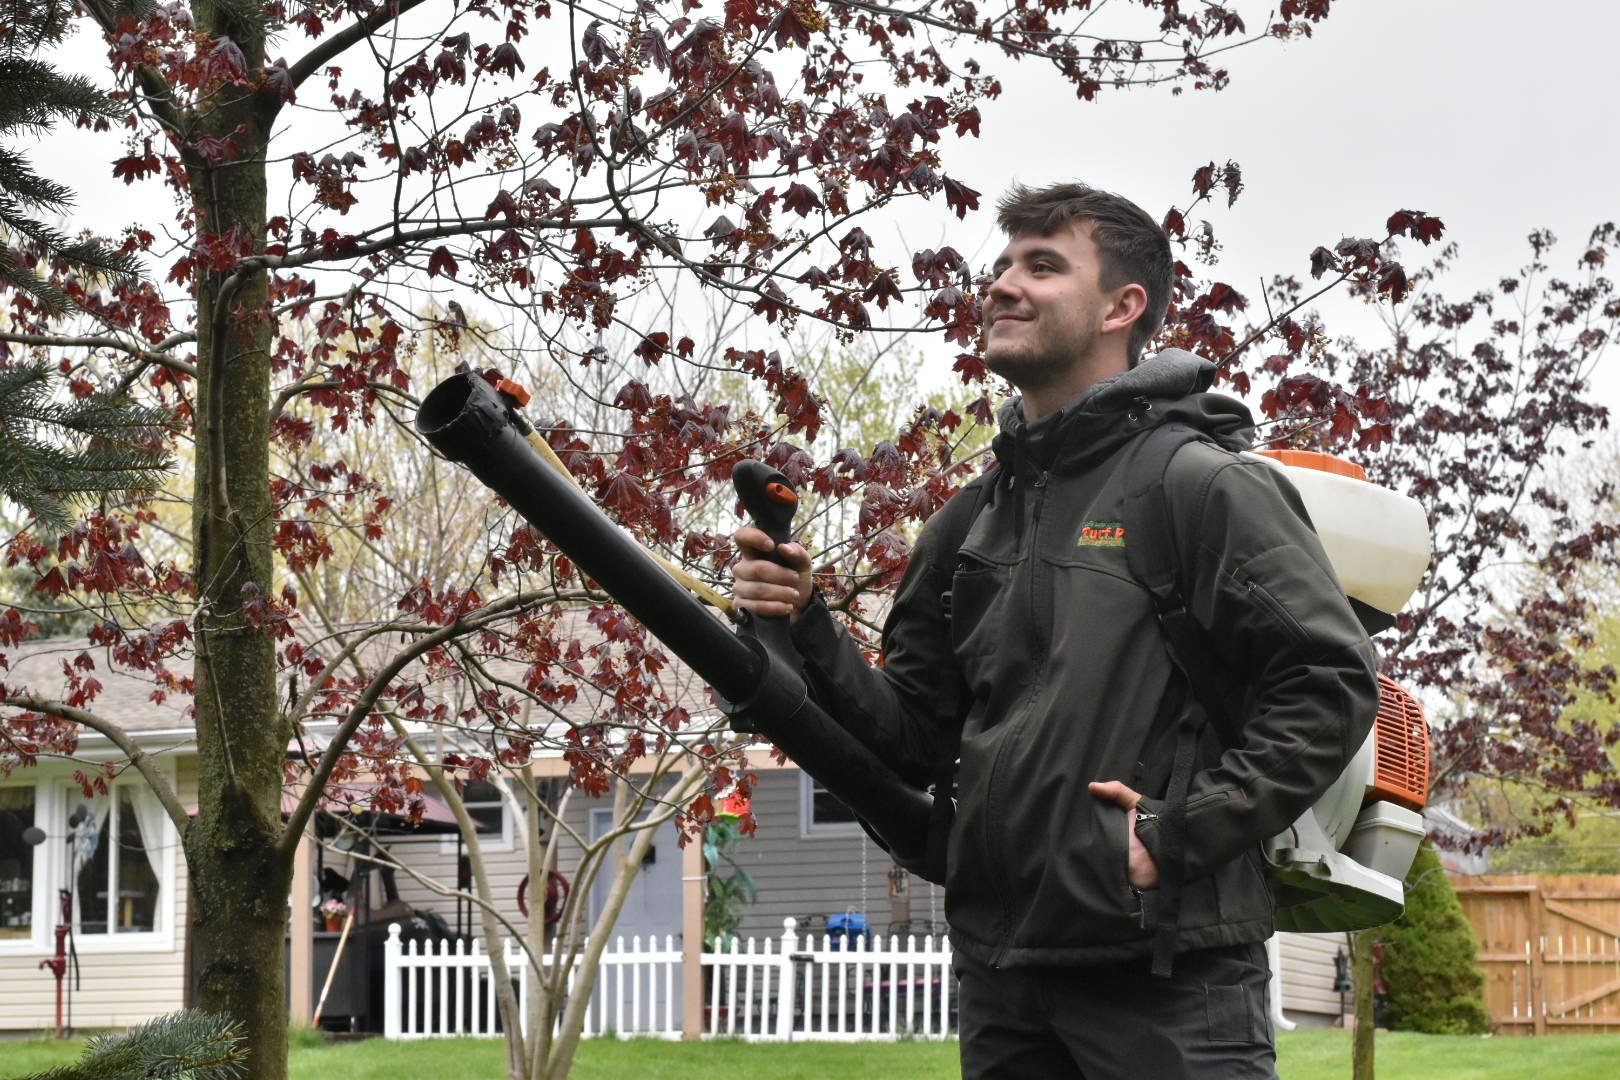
{"x":514,"y":391}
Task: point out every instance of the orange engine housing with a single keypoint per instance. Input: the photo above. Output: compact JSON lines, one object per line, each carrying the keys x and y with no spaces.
{"x":1400,"y":749}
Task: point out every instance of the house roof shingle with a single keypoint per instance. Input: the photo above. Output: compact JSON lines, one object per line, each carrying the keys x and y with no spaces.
{"x":125,"y":697}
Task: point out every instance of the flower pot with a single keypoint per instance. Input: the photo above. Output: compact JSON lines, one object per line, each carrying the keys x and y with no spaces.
{"x":334,"y":923}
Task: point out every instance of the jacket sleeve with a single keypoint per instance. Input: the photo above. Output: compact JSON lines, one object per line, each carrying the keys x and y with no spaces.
{"x":895,"y":709}
{"x":1305,"y":688}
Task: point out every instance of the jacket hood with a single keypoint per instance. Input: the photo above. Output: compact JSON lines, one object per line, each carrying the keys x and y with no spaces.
{"x":1170,"y":386}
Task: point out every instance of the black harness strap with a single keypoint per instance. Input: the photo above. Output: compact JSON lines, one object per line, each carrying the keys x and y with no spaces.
{"x":1150,"y":552}
{"x":1151,"y":555}
{"x":953,"y":520}
{"x":956,"y":520}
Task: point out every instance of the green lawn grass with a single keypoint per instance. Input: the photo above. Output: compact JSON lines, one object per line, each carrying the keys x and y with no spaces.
{"x":1302,"y":1055}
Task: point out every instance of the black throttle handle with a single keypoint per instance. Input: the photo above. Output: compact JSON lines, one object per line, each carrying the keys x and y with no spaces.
{"x":769,"y":498}
{"x":770,"y":501}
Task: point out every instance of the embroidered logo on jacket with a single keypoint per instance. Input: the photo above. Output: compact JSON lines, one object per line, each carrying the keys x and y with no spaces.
{"x":1102,"y":534}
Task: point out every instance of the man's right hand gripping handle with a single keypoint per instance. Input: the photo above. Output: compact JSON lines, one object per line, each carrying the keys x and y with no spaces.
{"x":769,"y":587}
{"x":772,"y":573}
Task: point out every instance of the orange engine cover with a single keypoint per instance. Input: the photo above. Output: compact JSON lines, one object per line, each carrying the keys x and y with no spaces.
{"x":1401,"y":749}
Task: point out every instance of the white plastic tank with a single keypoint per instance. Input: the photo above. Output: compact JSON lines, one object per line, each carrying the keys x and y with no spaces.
{"x":1340,"y":865}
{"x":1377,"y":539}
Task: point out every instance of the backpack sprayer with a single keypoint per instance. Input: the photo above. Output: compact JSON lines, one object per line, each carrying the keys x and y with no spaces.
{"x":1339,"y":867}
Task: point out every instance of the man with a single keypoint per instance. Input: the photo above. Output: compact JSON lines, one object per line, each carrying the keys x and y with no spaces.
{"x":1069,"y":741}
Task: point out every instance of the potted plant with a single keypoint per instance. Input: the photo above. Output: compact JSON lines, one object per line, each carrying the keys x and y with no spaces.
{"x":724,"y":899}
{"x":729,"y":891}
{"x":333,"y":910}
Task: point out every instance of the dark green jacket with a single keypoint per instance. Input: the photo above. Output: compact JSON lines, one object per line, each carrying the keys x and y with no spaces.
{"x":1061,"y":652}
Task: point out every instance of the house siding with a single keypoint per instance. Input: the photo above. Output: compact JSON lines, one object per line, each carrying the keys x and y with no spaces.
{"x":433,"y":858}
{"x":811,"y":877}
{"x":796,"y":876}
{"x":1308,"y":996}
{"x":118,"y":984}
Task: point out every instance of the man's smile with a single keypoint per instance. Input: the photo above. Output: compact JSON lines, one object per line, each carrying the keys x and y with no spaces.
{"x":1008,"y":317}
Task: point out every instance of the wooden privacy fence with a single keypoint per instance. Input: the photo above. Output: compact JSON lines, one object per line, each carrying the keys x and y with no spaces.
{"x":1550,"y":947}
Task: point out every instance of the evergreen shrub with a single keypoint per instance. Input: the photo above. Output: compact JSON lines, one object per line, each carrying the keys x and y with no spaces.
{"x":1431,"y":971}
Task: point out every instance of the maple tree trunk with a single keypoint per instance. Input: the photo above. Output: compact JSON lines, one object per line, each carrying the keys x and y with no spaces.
{"x":240,"y":872}
{"x":1361,"y":980}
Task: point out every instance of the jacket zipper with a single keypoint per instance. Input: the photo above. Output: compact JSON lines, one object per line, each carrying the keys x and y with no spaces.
{"x":1043,"y":625}
{"x":1264,"y":598}
{"x":997,"y":852}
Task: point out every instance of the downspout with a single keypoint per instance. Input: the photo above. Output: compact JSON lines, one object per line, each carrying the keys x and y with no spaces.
{"x":1274,"y":992}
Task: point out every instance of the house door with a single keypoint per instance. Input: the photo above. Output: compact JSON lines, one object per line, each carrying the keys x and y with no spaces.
{"x":640,"y":997}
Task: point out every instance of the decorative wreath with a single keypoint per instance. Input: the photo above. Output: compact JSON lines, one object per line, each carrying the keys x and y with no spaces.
{"x":556,"y":896}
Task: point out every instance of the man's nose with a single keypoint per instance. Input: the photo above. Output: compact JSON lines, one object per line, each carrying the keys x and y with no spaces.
{"x":1003,"y":287}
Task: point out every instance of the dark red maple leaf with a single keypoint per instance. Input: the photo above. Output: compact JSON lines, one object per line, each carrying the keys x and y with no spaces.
{"x":1321,"y":261}
{"x":441,"y":262}
{"x":960,"y":197}
{"x":624,"y":494}
{"x":137,"y":166}
{"x":801,"y":199}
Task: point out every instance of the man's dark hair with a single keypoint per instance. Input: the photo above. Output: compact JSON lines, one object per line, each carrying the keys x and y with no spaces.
{"x":1132,"y":246}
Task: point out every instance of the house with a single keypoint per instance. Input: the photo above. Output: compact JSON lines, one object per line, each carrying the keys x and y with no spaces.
{"x":118,"y":857}
{"x":115,"y":857}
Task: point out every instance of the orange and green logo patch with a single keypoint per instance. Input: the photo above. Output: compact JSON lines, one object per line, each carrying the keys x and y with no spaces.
{"x":1102,"y":534}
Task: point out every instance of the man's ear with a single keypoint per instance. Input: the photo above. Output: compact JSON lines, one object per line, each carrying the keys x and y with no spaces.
{"x":1129,"y":302}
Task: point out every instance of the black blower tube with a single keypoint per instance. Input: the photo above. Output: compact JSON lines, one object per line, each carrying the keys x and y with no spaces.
{"x":469,"y":422}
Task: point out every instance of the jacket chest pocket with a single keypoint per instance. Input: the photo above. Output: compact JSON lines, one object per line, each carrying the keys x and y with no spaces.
{"x":985,"y":621}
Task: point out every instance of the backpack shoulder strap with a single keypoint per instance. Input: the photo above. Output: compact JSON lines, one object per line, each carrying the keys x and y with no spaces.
{"x":956,"y":519}
{"x":1151,"y":555}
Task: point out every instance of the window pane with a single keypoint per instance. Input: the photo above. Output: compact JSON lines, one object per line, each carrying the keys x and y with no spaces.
{"x":115,"y":889}
{"x":828,"y":809}
{"x":16,"y":863}
{"x":483,"y":802}
{"x":90,"y":853}
{"x":137,"y":884}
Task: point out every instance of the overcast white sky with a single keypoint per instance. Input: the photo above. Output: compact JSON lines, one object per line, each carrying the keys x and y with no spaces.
{"x":1496,"y":115}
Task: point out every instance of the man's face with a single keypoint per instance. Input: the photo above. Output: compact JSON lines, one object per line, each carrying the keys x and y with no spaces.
{"x":1043,"y":316}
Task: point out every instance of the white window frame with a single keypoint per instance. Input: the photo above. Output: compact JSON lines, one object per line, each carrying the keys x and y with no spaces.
{"x":809,"y":827}
{"x":114,"y":825}
{"x":54,"y":797}
{"x":42,"y":901}
{"x":491,"y":842}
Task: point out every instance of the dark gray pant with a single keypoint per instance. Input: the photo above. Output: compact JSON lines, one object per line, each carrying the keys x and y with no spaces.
{"x":1208,"y":1021}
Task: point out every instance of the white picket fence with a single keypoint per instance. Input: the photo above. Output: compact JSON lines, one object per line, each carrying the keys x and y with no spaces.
{"x":790,"y":987}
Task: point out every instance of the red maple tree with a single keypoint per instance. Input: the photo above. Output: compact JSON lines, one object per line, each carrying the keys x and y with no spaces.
{"x":510,"y":183}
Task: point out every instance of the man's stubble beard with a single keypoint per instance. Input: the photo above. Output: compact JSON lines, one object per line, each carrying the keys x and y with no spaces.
{"x":1034,"y":368}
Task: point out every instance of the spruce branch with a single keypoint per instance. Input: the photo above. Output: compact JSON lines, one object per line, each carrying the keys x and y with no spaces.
{"x":189,"y":1045}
